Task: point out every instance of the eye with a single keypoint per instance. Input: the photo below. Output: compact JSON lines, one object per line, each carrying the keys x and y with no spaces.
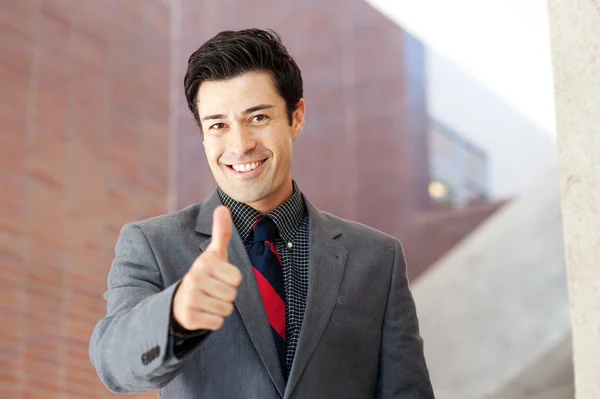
{"x":259,"y":118}
{"x":217,"y":126}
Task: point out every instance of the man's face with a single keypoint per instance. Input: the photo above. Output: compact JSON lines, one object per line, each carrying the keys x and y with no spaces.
{"x":248,"y":138}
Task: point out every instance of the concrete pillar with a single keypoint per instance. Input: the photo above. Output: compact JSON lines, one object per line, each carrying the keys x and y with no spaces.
{"x":575,"y":40}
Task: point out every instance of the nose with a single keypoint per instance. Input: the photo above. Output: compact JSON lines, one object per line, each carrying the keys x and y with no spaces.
{"x":241,"y":140}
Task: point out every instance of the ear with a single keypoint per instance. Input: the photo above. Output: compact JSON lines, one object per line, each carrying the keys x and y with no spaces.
{"x":298,"y":119}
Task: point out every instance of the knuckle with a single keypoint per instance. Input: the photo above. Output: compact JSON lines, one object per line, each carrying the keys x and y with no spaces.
{"x":207,"y":289}
{"x":229,"y":309}
{"x":194,"y":279}
{"x":202,"y":263}
{"x":225,"y":309}
{"x":187,"y":320}
{"x":202,"y":301}
{"x":218,"y":322}
{"x":234,"y":275}
{"x":211,"y":321}
{"x":238,"y":276}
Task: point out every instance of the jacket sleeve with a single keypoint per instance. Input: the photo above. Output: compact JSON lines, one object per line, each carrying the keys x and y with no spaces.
{"x":403,"y":372}
{"x":132,"y":348}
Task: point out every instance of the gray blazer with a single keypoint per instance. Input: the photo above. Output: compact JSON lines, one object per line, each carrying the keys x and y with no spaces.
{"x":359,"y":338}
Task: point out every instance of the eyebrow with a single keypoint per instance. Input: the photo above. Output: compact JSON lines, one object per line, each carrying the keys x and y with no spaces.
{"x":246,"y":112}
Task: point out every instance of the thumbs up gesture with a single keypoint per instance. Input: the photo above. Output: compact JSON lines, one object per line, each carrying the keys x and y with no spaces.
{"x":206,"y":294}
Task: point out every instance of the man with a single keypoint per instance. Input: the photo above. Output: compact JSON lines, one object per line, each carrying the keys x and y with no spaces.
{"x":255,"y":293}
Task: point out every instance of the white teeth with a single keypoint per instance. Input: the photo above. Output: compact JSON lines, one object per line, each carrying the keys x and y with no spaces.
{"x":246,"y":167}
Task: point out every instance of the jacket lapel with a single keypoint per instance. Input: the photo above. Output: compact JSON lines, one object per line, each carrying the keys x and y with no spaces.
{"x":327,"y":262}
{"x":248,"y":302}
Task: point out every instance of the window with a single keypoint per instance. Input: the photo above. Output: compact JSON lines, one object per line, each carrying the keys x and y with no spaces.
{"x":458,"y":168}
{"x":442,"y":145}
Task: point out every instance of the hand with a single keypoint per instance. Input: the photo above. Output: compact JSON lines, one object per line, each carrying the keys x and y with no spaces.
{"x":206,"y":293}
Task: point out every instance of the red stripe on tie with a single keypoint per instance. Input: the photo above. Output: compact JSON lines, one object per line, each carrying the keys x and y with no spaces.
{"x":274,"y":250}
{"x":274,"y":304}
{"x":257,"y":222}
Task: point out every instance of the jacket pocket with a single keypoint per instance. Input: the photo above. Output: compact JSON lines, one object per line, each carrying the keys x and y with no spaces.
{"x":353,"y":317}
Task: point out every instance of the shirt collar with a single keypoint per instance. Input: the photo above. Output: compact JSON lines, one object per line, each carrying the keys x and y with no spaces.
{"x":287,"y":216}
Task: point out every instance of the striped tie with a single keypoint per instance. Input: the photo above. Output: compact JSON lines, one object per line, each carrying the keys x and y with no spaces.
{"x":269,"y":275}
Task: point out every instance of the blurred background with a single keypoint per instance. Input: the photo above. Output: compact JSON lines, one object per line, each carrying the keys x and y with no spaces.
{"x":432,"y":121}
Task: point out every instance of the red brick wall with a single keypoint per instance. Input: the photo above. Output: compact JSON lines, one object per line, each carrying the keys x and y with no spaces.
{"x":83,"y":149}
{"x":363,"y":153}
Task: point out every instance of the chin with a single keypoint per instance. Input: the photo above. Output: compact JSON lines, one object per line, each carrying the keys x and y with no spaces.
{"x":244,"y":195}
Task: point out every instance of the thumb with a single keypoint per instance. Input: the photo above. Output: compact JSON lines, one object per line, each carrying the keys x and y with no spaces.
{"x":221,"y":232}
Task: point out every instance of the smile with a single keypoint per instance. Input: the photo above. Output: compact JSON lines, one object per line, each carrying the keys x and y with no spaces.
{"x":247,"y":167}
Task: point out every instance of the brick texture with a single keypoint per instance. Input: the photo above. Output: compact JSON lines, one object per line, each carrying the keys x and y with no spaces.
{"x":84,"y":144}
{"x":92,"y":90}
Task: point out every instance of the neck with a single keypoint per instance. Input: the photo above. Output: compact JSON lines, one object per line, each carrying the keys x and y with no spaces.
{"x":267,"y":205}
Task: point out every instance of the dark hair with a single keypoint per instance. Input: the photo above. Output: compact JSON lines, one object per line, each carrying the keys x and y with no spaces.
{"x":233,"y":53}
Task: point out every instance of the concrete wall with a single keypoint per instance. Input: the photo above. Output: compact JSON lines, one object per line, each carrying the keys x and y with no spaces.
{"x":496,"y":305}
{"x":575,"y":39}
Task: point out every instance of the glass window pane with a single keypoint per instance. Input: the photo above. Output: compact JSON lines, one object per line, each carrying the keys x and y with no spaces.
{"x":441,"y":146}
